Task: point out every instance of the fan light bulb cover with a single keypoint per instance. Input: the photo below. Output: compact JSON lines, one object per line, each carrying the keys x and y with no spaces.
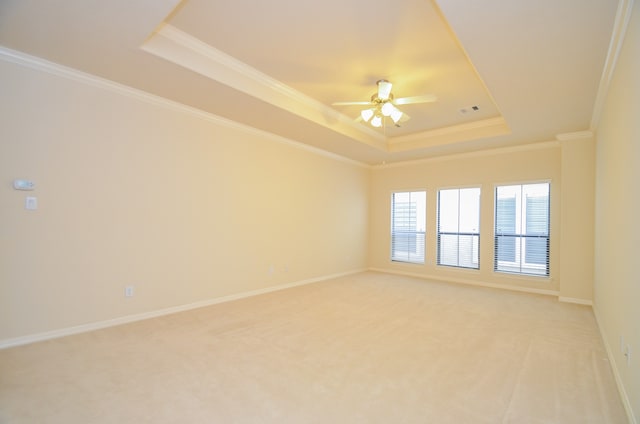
{"x":387,"y":109}
{"x":384,"y":89}
{"x":366,"y":114}
{"x":396,"y":115}
{"x":376,"y":121}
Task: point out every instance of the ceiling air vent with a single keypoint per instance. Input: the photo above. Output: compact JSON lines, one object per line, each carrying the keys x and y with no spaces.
{"x":469,"y":110}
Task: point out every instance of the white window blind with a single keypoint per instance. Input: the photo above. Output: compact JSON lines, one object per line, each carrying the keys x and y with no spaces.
{"x":522,"y":229}
{"x":458,"y":227}
{"x":408,"y":220}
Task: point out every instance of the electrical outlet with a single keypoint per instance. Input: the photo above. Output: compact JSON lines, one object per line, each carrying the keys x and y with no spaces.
{"x":128,"y":291}
{"x":271,"y":269}
{"x":627,"y":354}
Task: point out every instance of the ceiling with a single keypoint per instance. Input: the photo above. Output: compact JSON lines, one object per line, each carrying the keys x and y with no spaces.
{"x":533,"y":69}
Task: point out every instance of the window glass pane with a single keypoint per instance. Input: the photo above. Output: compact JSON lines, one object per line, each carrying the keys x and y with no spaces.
{"x":468,"y":251}
{"x":469,"y":210}
{"x":537,"y":214}
{"x":408,"y":219}
{"x":458,"y":227}
{"x":522,"y":229}
{"x":448,"y":211}
{"x":448,"y":249}
{"x":505,"y":225}
{"x":506,"y":248}
{"x":505,"y":212}
{"x":535,"y":251}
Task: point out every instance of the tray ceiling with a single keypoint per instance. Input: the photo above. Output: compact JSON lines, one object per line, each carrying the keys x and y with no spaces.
{"x":531,"y":69}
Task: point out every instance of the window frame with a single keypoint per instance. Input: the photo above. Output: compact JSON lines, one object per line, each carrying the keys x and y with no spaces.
{"x":521,"y":267}
{"x":419,"y":236}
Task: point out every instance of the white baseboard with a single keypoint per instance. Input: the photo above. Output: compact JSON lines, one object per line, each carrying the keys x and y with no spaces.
{"x":575,"y":300}
{"x":470,"y":282}
{"x":18,"y":341}
{"x":614,"y":368}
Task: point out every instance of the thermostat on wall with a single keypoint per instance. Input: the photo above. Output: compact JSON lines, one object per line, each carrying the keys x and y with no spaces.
{"x":23,"y":185}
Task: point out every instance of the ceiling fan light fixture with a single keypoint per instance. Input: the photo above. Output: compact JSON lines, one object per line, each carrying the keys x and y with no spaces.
{"x":396,"y":115}
{"x":387,"y":109}
{"x":384,"y":89}
{"x":383,"y":105}
{"x":366,"y":114}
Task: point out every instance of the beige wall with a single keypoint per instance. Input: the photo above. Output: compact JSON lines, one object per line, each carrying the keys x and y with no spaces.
{"x":577,"y":219}
{"x":133,"y":192}
{"x":617,"y":250}
{"x":551,"y":161}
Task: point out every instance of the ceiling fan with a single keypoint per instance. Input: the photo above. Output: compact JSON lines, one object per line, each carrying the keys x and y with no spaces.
{"x":383,"y":104}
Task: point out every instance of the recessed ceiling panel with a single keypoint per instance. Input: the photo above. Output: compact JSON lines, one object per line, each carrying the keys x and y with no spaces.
{"x":335,"y":51}
{"x":533,"y":69}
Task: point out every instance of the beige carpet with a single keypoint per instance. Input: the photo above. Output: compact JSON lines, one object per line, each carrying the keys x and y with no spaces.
{"x":369,"y":348}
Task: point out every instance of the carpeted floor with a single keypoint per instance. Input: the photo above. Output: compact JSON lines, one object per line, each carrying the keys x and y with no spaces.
{"x":368,"y":348}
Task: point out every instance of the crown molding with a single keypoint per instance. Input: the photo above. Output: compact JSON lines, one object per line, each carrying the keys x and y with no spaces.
{"x":578,"y":135}
{"x":42,"y":65}
{"x":479,"y":153}
{"x":184,"y":50}
{"x":623,"y":15}
{"x":490,"y":127}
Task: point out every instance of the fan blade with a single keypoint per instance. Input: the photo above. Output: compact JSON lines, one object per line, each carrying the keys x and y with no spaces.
{"x":350,"y":103}
{"x":427,"y":98}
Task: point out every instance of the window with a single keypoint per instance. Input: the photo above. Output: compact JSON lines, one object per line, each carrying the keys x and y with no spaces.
{"x":408,"y":218}
{"x":522,"y":229}
{"x":458,"y":227}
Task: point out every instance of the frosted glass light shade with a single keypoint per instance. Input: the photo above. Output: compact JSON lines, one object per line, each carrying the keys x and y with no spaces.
{"x":396,"y":115}
{"x":384,"y":89}
{"x":366,"y":114}
{"x":387,"y":109}
{"x":376,"y":121}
